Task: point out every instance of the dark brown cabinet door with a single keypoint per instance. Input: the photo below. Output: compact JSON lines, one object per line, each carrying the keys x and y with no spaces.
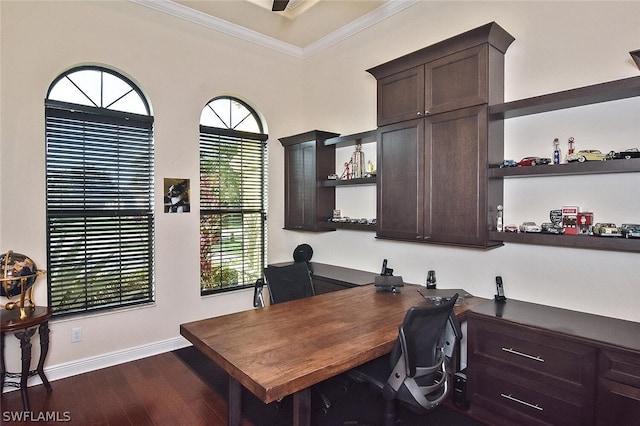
{"x":300,"y":181}
{"x":307,"y":161}
{"x":457,"y":81}
{"x":401,"y":173}
{"x":458,"y":142}
{"x":401,"y":96}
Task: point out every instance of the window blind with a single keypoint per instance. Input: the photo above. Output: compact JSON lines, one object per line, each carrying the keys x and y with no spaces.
{"x":100,"y":216}
{"x":232,"y":208}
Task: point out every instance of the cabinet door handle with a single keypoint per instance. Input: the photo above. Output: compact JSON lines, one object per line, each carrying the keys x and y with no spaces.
{"x":519,"y":401}
{"x":512,"y":351}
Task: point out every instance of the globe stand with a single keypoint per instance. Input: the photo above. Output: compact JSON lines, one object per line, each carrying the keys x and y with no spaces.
{"x":25,"y":295}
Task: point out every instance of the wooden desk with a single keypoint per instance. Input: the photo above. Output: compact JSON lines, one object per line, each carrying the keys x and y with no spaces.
{"x":24,"y":329}
{"x":284,"y":349}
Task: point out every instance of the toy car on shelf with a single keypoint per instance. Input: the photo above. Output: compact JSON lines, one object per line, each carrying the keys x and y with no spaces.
{"x":510,"y":228}
{"x":550,"y":228}
{"x":509,"y":163}
{"x":533,"y":161}
{"x":606,"y":230}
{"x":587,"y":155}
{"x":529,"y":227}
{"x":630,"y":230}
{"x":629,"y":153}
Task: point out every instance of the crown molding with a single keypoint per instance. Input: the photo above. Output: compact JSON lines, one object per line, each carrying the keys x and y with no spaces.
{"x":379,"y":14}
{"x":208,"y":21}
{"x":179,"y":11}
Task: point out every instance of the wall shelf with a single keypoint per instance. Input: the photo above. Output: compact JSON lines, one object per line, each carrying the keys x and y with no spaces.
{"x":631,"y":165}
{"x":349,"y":182}
{"x":597,"y":93}
{"x":603,"y":92}
{"x":351,"y":140}
{"x":573,"y":241}
{"x":347,"y":225}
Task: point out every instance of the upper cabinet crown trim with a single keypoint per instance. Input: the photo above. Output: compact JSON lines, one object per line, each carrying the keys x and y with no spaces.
{"x":313,"y":135}
{"x":491,"y":33}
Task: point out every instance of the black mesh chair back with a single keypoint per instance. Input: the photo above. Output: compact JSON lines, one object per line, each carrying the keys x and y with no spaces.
{"x":417,"y":371}
{"x":289,"y":282}
{"x":421,"y":376}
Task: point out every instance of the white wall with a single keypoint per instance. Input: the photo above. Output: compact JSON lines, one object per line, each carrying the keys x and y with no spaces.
{"x":180,"y":66}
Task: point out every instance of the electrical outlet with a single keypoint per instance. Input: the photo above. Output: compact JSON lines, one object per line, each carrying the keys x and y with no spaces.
{"x":76,"y":334}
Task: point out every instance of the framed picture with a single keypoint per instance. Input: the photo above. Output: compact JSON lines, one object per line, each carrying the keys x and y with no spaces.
{"x":176,"y":195}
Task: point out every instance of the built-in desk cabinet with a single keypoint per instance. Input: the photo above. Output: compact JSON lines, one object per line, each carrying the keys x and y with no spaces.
{"x":435,"y":140}
{"x":531,"y":364}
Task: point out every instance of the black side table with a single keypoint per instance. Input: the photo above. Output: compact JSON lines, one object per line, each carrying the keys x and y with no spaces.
{"x":24,"y":329}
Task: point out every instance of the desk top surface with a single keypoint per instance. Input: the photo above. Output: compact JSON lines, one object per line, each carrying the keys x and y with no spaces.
{"x":596,"y":329}
{"x":281,"y":349}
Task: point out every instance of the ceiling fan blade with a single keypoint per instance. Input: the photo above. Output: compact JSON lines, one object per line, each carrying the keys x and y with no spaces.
{"x":279,"y":5}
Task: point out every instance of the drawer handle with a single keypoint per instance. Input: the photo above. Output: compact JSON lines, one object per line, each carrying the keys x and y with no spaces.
{"x":512,"y":351}
{"x":519,"y":401}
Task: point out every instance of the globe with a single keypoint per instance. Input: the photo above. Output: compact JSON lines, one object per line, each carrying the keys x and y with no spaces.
{"x":16,"y":271}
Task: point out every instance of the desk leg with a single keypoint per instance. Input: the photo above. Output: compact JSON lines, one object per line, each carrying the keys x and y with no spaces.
{"x":44,"y":348}
{"x":235,"y":402}
{"x":302,"y":407}
{"x":25,"y":347}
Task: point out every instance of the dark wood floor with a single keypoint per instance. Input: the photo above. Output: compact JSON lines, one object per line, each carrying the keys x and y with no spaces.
{"x":181,"y":388}
{"x":159,"y":390}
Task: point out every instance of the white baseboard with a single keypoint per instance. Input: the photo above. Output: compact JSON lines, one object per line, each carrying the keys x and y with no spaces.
{"x":86,"y":365}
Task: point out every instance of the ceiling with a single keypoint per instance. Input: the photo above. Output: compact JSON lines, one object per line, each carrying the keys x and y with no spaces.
{"x":303,"y":28}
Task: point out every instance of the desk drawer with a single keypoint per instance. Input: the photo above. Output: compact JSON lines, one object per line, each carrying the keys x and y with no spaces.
{"x":548,"y":359}
{"x":525,"y":402}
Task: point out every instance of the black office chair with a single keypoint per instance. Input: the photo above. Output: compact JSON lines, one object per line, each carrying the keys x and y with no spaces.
{"x":293,"y":282}
{"x":417,"y":372}
{"x":289,"y":282}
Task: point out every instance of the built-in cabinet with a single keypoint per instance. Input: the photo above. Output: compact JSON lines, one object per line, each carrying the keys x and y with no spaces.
{"x":532,"y":364}
{"x":440,"y":141}
{"x":307,"y":205}
{"x":435,"y":141}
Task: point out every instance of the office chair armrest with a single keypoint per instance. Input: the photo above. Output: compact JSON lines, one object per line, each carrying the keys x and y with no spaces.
{"x":258,"y":299}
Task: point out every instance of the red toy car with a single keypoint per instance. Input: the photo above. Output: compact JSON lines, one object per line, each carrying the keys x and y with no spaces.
{"x":532,"y":161}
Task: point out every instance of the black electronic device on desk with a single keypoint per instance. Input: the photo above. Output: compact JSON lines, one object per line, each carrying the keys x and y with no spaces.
{"x":388,"y":283}
{"x":499,"y":297}
{"x":437,"y":296}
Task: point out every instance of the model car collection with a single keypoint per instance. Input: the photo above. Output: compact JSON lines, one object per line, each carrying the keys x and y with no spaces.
{"x":601,"y":229}
{"x":572,"y":221}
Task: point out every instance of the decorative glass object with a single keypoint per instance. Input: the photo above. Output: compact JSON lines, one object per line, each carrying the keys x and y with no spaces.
{"x":18,"y":274}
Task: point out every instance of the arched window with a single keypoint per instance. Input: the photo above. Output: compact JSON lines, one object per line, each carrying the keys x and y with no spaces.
{"x":99,"y":189}
{"x":233,"y":196}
